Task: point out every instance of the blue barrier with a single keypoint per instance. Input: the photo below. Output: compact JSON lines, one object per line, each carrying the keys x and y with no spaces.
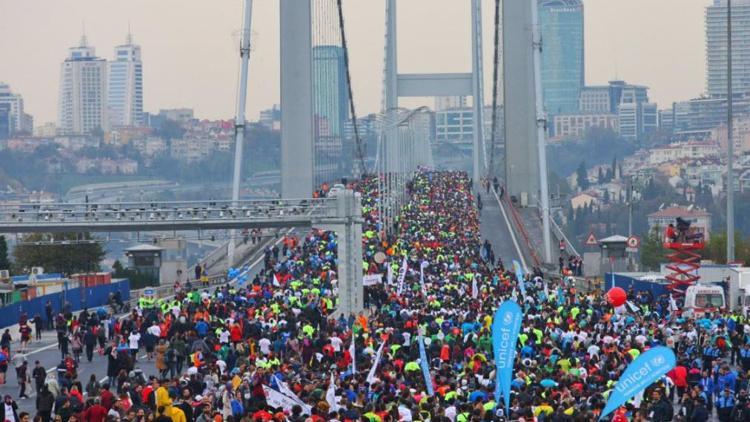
{"x":79,"y":298}
{"x":627,"y":282}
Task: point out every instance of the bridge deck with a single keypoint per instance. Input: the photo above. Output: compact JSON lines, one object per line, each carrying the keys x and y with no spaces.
{"x":495,"y":229}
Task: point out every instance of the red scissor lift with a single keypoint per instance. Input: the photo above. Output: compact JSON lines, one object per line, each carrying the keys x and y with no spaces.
{"x":685,"y":260}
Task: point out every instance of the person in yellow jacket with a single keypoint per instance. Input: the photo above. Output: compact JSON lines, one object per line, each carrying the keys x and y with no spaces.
{"x":164,"y":404}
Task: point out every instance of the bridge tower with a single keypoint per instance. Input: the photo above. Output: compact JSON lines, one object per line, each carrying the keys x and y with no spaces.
{"x":519,"y":106}
{"x":438,"y":84}
{"x":296,"y":99}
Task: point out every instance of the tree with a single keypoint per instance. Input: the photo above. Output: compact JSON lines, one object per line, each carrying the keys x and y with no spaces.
{"x":716,"y":248}
{"x":81,"y":253}
{"x":582,"y":176}
{"x":170,"y":129}
{"x":652,"y":250}
{"x":4,"y":263}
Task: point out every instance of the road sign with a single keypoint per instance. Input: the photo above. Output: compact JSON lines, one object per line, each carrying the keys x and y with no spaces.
{"x":591,"y":240}
{"x":633,"y":243}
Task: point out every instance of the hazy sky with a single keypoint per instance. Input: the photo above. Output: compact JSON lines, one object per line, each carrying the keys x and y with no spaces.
{"x":190,"y":59}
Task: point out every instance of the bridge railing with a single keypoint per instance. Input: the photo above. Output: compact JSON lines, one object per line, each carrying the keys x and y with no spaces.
{"x":165,"y":212}
{"x":560,"y":235}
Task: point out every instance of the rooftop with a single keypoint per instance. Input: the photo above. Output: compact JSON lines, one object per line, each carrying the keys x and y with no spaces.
{"x":675,"y":211}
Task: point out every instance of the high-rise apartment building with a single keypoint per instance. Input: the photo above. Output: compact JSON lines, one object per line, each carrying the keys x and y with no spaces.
{"x":20,"y":122}
{"x":331,"y":109}
{"x":716,"y":48}
{"x":636,"y":116}
{"x":125,"y":86}
{"x":82,"y":106}
{"x":562,"y":66}
{"x":5,"y":121}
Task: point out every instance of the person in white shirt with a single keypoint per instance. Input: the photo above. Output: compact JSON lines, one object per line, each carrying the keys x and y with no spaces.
{"x":336,"y":342}
{"x":265,"y":345}
{"x":224,"y":336}
{"x":404,"y":413}
{"x":133,"y":340}
{"x":155,"y":330}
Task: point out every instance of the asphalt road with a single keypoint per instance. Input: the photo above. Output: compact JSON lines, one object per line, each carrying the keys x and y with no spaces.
{"x":495,"y":229}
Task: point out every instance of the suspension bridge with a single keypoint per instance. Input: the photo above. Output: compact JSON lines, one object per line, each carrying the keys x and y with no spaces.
{"x":314,"y":55}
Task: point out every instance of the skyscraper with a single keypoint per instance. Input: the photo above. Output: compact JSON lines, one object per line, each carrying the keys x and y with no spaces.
{"x":82,"y":104}
{"x":125,"y":86}
{"x":562,"y":66}
{"x":331,"y":111}
{"x":20,"y":122}
{"x":716,"y":48}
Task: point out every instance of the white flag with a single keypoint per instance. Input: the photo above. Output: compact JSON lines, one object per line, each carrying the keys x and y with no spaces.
{"x":632,"y":307}
{"x":331,"y":395}
{"x":402,"y":275}
{"x":390,"y":274}
{"x":672,"y":304}
{"x":352,"y":353}
{"x":371,"y":374}
{"x":474,"y":288}
{"x":284,"y":389}
{"x":278,"y":400}
{"x":422,"y":266}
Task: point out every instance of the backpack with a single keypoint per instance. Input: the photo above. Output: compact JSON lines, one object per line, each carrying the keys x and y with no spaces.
{"x":237,"y":409}
{"x":76,"y":404}
{"x":740,"y":414}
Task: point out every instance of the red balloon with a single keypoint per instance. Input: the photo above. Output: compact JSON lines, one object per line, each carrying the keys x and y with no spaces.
{"x":616,"y":296}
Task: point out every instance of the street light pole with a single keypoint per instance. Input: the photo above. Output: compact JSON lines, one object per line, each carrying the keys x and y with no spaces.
{"x":239,"y":120}
{"x":730,"y":141}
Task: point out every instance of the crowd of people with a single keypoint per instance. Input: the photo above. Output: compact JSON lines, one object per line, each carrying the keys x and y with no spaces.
{"x":270,"y":347}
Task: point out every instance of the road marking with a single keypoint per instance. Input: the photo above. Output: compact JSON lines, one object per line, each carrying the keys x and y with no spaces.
{"x":41,"y":349}
{"x":512,"y":233}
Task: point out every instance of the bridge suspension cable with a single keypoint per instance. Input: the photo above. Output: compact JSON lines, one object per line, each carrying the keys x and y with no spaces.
{"x":495,"y":72}
{"x":360,"y":165}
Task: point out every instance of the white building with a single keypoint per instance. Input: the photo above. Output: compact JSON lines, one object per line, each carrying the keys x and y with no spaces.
{"x":576,"y":125}
{"x":182,"y":115}
{"x":716,"y":47}
{"x":594,"y":99}
{"x":82,"y":104}
{"x":20,"y":122}
{"x":445,"y":103}
{"x":682,"y":151}
{"x":455,"y":125}
{"x":125,"y":86}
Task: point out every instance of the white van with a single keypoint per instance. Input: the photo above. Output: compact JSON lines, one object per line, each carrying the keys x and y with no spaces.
{"x":702,"y":298}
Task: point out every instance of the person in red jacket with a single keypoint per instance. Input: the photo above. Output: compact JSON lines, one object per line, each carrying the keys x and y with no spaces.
{"x":678,"y":375}
{"x":95,"y":413}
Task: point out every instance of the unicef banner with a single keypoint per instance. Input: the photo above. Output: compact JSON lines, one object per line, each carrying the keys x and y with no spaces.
{"x":519,"y":275}
{"x":643,"y":371}
{"x":425,"y":367}
{"x":506,"y":326}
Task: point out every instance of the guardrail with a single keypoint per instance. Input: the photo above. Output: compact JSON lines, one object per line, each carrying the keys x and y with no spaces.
{"x":557,"y":230}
